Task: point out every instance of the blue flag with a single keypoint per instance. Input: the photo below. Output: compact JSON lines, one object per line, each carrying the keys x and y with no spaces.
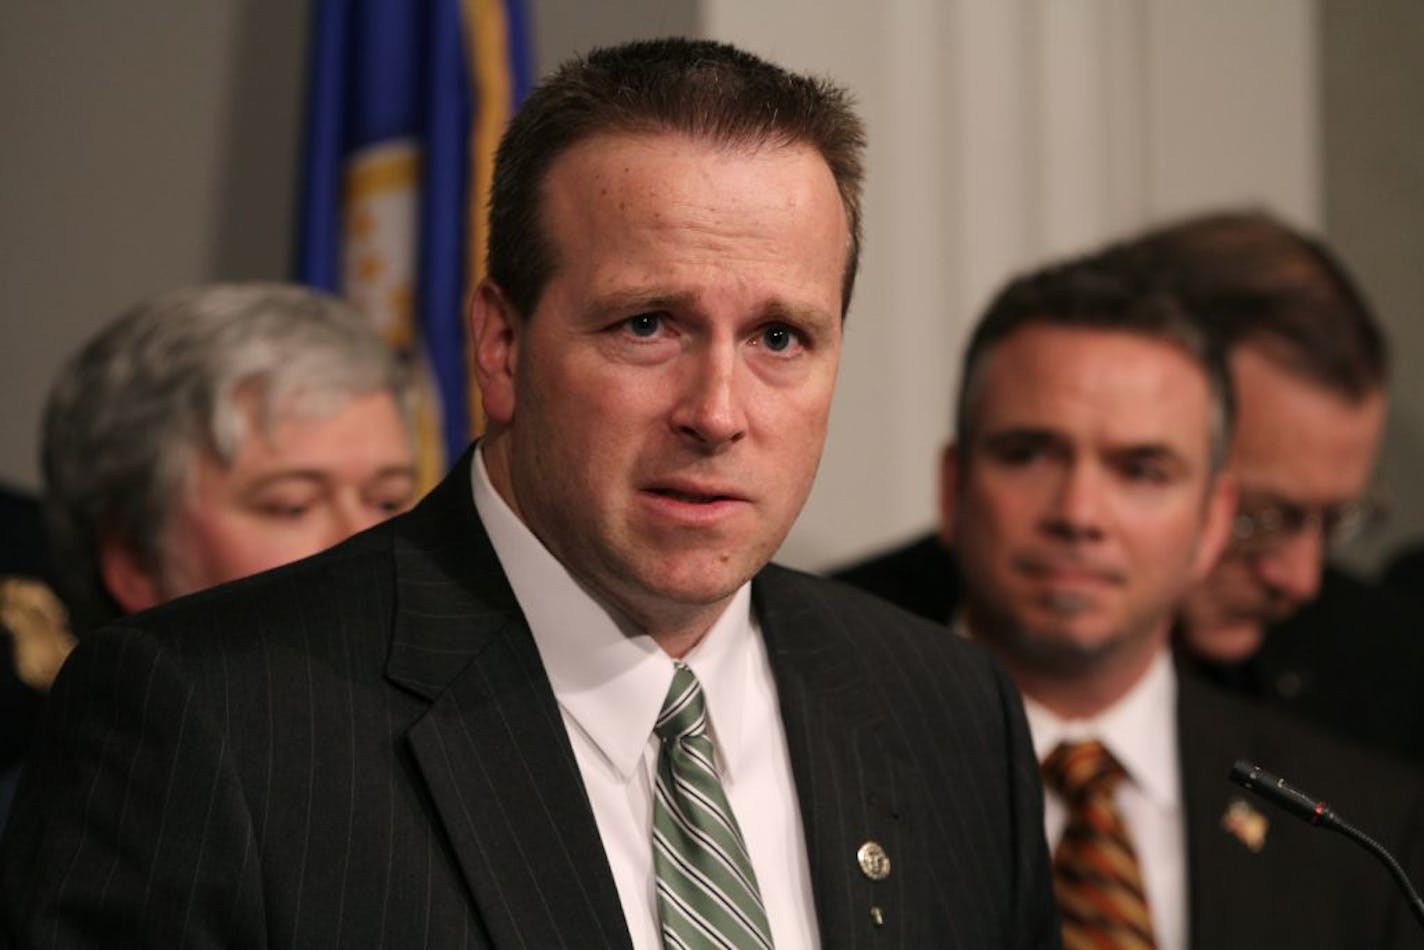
{"x":407,"y":99}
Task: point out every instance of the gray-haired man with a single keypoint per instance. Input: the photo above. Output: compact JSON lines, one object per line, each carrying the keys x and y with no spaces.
{"x":213,"y":432}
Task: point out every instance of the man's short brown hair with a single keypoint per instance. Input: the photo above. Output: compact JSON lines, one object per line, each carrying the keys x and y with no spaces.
{"x":707,"y":90}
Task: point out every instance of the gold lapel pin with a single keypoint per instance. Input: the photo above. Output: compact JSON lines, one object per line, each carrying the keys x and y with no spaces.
{"x":1247,"y":824}
{"x":874,"y":862}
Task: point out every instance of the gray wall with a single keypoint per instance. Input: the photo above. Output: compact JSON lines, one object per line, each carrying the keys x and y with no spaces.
{"x":148,"y":144}
{"x":1372,"y":72}
{"x":567,"y":27}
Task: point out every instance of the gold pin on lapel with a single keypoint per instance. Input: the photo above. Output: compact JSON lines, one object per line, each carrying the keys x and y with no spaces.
{"x":874,"y":862}
{"x":1247,"y":824}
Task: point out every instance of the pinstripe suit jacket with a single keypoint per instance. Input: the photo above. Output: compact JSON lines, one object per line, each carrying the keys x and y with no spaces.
{"x":362,"y":749}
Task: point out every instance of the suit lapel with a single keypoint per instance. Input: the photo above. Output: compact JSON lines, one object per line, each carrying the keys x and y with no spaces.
{"x":847,"y":786}
{"x":492,"y":749}
{"x":494,"y":756}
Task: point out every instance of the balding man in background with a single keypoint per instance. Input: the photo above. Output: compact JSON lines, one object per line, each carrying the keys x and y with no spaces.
{"x":1309,"y":362}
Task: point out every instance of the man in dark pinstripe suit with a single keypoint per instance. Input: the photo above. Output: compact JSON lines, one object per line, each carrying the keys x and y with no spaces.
{"x":441,"y":732}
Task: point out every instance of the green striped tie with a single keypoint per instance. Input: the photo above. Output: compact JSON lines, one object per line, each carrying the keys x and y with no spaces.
{"x":707,"y":891}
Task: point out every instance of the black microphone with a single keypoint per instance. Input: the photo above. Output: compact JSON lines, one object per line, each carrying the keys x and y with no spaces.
{"x":1281,"y":793}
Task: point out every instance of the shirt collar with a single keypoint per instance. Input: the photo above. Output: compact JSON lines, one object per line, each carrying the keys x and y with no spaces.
{"x":1140,"y":730}
{"x":609,"y":679}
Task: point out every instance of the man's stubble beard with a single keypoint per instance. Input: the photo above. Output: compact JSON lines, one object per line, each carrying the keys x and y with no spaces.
{"x":1057,"y":653}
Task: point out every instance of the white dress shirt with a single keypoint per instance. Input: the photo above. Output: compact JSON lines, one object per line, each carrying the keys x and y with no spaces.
{"x":610,"y":684}
{"x":1140,"y":730}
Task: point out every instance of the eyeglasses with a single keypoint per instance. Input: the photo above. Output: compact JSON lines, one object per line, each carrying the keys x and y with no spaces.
{"x":1264,"y":523}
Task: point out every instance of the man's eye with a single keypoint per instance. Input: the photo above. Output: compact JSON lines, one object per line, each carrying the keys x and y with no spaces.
{"x":393,"y":504}
{"x":644,"y":324}
{"x":1147,"y":472}
{"x":1019,"y":453}
{"x":778,"y":338}
{"x":285,"y":511}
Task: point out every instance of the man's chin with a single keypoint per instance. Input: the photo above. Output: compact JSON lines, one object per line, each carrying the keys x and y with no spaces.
{"x":1057,"y":648}
{"x":1227,"y":641}
{"x":692,"y":582}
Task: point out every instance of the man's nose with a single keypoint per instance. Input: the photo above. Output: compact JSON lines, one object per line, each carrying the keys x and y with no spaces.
{"x":349,"y":516}
{"x":710,"y":410}
{"x":1292,"y":566}
{"x":1075,"y":509}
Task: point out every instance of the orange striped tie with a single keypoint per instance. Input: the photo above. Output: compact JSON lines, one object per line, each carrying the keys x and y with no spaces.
{"x":1096,"y":877}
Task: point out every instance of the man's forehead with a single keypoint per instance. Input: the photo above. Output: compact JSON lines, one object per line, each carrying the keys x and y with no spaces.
{"x":1266,"y":384}
{"x":625,"y":209}
{"x":1059,"y":372}
{"x":618,"y":168}
{"x":1298,"y":439}
{"x":1092,"y":390}
{"x":653,"y":146}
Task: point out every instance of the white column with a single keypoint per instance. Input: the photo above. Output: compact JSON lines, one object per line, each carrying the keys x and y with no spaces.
{"x":1005,"y":132}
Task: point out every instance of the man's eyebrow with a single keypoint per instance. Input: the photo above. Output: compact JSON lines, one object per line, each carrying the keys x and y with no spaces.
{"x":1147,"y":450}
{"x":403,"y":470}
{"x":1020,"y":435}
{"x":802,"y":315}
{"x":639,"y":301}
{"x":1035,"y":437}
{"x":635,"y":302}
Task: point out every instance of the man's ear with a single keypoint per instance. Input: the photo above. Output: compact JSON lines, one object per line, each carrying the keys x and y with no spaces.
{"x":948,"y":491}
{"x":1217,"y":521}
{"x":132,"y":585}
{"x":494,"y":330}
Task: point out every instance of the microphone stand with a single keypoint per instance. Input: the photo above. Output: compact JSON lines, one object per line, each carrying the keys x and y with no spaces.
{"x":1281,"y":793}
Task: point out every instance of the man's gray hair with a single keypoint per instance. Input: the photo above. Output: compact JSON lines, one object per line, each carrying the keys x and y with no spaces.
{"x":182,"y":373}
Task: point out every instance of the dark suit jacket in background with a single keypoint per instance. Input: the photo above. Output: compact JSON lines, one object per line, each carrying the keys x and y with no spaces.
{"x":23,"y":546}
{"x":24,"y":553}
{"x":1351,"y":662}
{"x":363,"y":749}
{"x":1306,"y":887}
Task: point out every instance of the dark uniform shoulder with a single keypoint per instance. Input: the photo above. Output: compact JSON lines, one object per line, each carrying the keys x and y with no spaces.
{"x":921,"y":576}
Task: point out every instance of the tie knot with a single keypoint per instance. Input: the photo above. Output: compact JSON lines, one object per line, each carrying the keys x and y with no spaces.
{"x":1077,"y":770}
{"x":684,"y":712}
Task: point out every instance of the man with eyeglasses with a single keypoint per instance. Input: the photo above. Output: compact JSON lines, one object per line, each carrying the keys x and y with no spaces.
{"x":1309,"y":364}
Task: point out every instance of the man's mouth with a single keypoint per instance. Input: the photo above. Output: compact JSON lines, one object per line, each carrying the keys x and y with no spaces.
{"x":693,"y":492}
{"x":1069,"y":571}
{"x":693,"y":498}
